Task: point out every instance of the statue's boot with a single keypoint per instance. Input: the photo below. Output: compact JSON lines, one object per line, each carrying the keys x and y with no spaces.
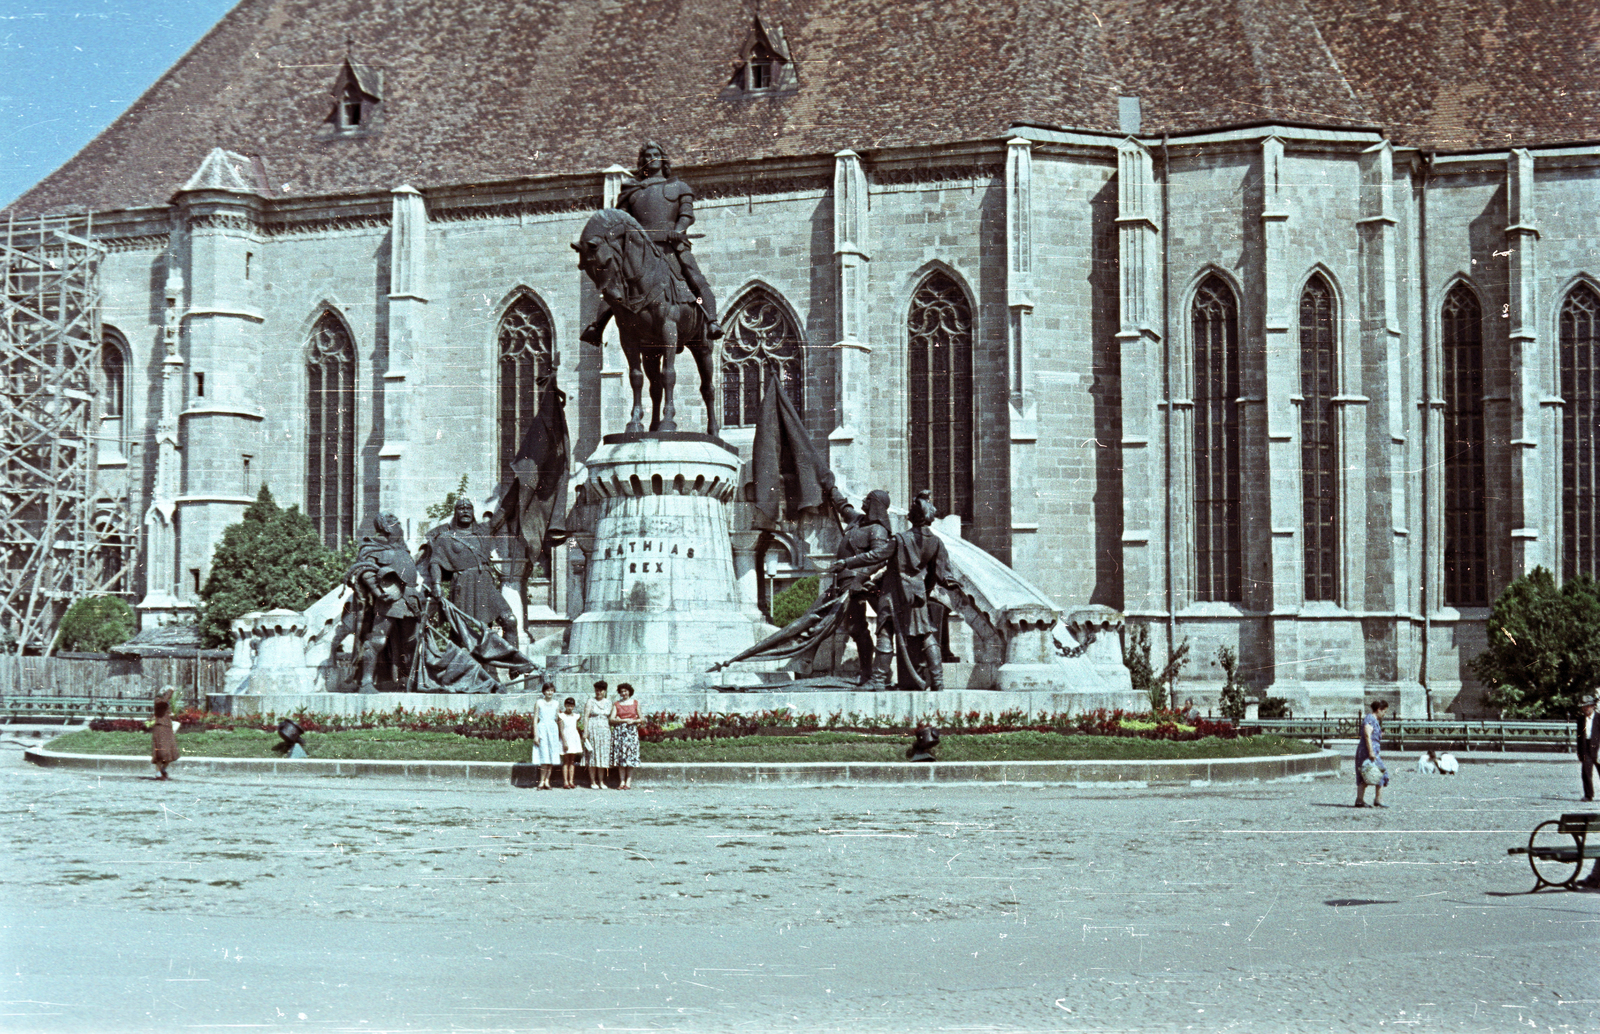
{"x":882,"y":668}
{"x":930,"y":647}
{"x":864,"y":656}
{"x":713,"y":328}
{"x":369,"y":666}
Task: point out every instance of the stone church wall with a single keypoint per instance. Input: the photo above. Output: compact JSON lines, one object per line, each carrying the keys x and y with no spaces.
{"x":1069,"y":450}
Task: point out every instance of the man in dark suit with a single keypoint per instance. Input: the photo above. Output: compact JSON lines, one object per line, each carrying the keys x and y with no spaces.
{"x":1588,"y":744}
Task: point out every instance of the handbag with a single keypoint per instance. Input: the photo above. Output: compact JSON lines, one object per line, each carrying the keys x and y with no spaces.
{"x":1372,"y":773}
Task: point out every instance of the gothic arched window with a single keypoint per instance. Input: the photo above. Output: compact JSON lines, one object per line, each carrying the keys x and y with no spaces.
{"x":331,"y":431}
{"x":760,"y":338}
{"x":1580,"y":455}
{"x":527,"y":356}
{"x":114,"y":376}
{"x":939,"y":364}
{"x":1219,"y":567}
{"x":1466,"y":534}
{"x":1319,"y":445}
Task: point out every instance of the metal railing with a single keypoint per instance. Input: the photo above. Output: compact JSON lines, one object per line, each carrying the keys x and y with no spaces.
{"x":88,"y":707}
{"x":1423,"y":734}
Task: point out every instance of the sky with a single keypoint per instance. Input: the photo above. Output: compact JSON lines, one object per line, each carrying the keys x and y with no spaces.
{"x":68,"y":68}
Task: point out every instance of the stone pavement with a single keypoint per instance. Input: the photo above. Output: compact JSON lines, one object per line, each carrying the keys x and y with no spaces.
{"x":134,"y":905}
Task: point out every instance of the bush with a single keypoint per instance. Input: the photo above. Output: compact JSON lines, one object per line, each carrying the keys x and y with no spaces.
{"x":1274,"y":707}
{"x":1232,"y":702}
{"x":272,"y":558}
{"x":794,"y":601}
{"x":1544,"y":646}
{"x":95,"y":624}
{"x":1136,"y":655}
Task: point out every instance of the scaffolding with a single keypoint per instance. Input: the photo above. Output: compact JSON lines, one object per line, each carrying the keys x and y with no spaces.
{"x":63,"y":538}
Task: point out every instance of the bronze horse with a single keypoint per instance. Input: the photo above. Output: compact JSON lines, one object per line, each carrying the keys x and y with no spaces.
{"x":657,"y":315}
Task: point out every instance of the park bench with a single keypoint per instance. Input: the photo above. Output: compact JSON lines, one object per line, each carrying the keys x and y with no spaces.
{"x":1557,"y":855}
{"x":92,"y":707}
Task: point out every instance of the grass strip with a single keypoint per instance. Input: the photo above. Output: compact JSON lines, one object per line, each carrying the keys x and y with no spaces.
{"x":405,"y":745}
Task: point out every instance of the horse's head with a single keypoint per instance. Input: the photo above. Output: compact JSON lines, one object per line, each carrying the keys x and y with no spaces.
{"x":603,"y":251}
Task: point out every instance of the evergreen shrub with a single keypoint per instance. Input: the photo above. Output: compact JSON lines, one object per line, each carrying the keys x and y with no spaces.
{"x":1544,"y":646}
{"x":272,"y":558}
{"x":95,"y":624}
{"x":794,"y":601}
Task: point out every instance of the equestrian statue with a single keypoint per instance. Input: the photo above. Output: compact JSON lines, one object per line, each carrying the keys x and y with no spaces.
{"x":638,"y":256}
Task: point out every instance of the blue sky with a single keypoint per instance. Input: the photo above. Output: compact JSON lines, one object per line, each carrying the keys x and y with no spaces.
{"x":69,"y":67}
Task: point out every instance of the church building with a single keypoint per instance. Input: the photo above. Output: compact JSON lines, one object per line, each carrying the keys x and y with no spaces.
{"x":1272,"y":324}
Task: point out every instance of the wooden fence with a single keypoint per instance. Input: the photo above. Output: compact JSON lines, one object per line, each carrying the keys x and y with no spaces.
{"x":100,"y":676}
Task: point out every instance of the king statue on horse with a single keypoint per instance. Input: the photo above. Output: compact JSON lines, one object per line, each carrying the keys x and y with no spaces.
{"x":638,"y":256}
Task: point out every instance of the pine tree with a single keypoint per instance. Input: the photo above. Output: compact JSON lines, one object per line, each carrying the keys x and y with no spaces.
{"x":272,"y":558}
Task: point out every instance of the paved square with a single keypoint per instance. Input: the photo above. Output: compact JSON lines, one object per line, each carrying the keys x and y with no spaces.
{"x":345,"y":906}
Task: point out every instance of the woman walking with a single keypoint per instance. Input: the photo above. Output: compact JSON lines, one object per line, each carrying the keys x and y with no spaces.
{"x":163,"y":735}
{"x":1370,"y":769}
{"x":571,"y":743}
{"x":625,"y":736}
{"x":546,"y":734}
{"x":597,"y":736}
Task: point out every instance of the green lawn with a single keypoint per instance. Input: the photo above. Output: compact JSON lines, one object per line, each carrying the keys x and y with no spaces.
{"x":403,"y":745}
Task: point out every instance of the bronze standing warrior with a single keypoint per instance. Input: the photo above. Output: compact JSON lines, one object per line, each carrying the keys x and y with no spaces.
{"x":461,"y":552}
{"x":388,"y":597}
{"x":917,"y":563}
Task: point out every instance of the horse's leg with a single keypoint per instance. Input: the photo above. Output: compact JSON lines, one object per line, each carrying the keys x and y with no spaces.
{"x":652,"y":368}
{"x":635,"y":380}
{"x":669,"y":373}
{"x":704,"y":353}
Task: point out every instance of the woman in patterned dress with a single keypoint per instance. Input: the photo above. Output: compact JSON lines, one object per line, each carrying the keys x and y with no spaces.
{"x":625,"y":735}
{"x":546,"y":734}
{"x":1368,"y":748}
{"x":597,"y":736}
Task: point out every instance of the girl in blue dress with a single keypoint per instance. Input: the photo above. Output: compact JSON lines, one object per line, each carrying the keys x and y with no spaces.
{"x":1368,"y":748}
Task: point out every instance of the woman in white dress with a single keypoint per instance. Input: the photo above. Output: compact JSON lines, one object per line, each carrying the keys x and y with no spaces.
{"x":597,"y":736}
{"x":546,"y":734}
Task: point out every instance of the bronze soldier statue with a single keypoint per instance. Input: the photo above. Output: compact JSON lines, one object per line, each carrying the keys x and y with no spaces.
{"x":917,"y":563}
{"x":664,"y":205}
{"x":865,"y":530}
{"x":387,"y":596}
{"x":462,"y":551}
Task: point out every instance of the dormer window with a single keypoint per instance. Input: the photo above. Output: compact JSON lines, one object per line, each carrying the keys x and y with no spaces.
{"x":350,"y":108}
{"x":764,"y":67}
{"x":357,"y":102}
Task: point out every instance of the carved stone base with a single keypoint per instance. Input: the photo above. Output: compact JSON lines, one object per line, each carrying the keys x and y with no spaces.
{"x":660,"y":581}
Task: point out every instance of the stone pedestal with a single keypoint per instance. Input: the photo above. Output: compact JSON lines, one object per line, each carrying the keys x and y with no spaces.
{"x":660,"y":589}
{"x":277,"y":641}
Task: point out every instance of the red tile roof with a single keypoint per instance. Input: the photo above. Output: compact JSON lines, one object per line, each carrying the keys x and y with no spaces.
{"x":481,"y":90}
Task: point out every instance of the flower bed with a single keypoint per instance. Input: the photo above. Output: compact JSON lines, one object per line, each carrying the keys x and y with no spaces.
{"x":665,"y":725}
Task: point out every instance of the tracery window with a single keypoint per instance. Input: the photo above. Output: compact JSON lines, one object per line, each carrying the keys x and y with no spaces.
{"x":331,"y":431}
{"x":760,"y":337}
{"x":1466,"y":536}
{"x":113,"y":373}
{"x":1580,"y":454}
{"x":939,"y":363}
{"x":1319,"y":460}
{"x":1219,"y":569}
{"x":527,"y":356}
